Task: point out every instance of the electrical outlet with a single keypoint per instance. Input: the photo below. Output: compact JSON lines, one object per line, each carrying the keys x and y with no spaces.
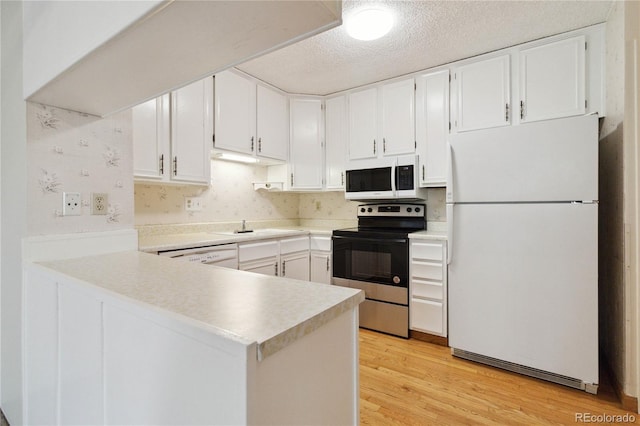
{"x":193,"y":204}
{"x":71,"y":204}
{"x":99,"y":203}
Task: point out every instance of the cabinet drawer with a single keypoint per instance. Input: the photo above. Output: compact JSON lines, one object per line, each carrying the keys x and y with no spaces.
{"x":426,"y":289}
{"x":320,"y":242}
{"x":253,"y":251}
{"x":428,"y":251}
{"x":428,"y":270}
{"x":292,"y":245}
{"x":428,"y":316}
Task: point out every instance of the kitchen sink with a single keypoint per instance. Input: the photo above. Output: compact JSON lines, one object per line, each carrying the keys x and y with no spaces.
{"x":257,"y":232}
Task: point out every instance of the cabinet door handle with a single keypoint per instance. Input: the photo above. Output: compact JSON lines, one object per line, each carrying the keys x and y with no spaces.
{"x":283,"y":270}
{"x":506,"y":114}
{"x":327,"y":263}
{"x":423,"y":172}
{"x":161,"y":164}
{"x":521,"y":110}
{"x":251,"y":143}
{"x":259,"y":144}
{"x":175,"y":165}
{"x":384,"y":145}
{"x":291,"y":179}
{"x":342,"y":178}
{"x":374,"y":147}
{"x":276,"y":269}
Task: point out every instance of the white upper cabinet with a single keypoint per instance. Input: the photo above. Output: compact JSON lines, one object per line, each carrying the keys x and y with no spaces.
{"x":306,"y":163}
{"x":272,"y":124}
{"x":192,"y":132}
{"x":235,"y":113}
{"x":483,"y":94}
{"x":172,"y":136}
{"x":432,"y":126}
{"x":250,"y":118}
{"x":151,"y":136}
{"x":398,"y":118}
{"x":363,"y":124}
{"x":552,"y":80}
{"x":381,"y":121}
{"x":336,"y":137}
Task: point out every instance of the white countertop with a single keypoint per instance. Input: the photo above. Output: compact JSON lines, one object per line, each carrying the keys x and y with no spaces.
{"x":163,"y":242}
{"x":272,"y":311}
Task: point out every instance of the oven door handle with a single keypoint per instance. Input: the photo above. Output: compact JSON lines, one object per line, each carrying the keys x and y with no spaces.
{"x":369,"y":240}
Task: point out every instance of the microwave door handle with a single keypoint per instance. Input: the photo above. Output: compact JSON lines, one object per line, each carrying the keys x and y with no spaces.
{"x":394,"y":179}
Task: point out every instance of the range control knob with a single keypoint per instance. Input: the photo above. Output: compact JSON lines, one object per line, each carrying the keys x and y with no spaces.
{"x":369,"y":209}
{"x":417,"y":209}
{"x":362,"y":210}
{"x":409,"y":209}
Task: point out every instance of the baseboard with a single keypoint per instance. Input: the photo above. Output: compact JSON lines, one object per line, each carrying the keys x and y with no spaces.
{"x":629,"y":403}
{"x":65,"y":246}
{"x":430,"y":338}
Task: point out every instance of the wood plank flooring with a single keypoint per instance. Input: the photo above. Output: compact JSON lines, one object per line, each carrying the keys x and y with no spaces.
{"x":410,"y":382}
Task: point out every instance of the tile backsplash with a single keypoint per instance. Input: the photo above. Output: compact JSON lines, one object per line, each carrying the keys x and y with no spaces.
{"x":231,"y":198}
{"x":69,"y":151}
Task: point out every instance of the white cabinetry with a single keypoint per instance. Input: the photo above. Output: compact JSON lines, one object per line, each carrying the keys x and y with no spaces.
{"x":483,"y":97}
{"x":381,"y":120}
{"x":398,"y":118}
{"x":320,"y":258}
{"x":552,"y":80}
{"x":428,"y":287}
{"x":250,"y":118}
{"x":172,"y":136}
{"x":288,"y":257}
{"x":363,"y":124}
{"x":336,"y":137}
{"x":260,"y":257}
{"x":272,"y":123}
{"x":235,"y":113}
{"x":151,"y":138}
{"x":306,"y":153}
{"x":432,"y":126}
{"x":294,"y":257}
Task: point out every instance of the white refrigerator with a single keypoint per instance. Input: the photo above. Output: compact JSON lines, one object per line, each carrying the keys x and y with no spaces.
{"x":522,"y":216}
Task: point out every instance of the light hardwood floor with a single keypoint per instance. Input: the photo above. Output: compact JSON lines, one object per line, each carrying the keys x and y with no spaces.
{"x":410,"y":382}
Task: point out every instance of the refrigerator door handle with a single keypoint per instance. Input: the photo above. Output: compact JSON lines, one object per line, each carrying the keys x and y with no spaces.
{"x":449,"y":233}
{"x":449,"y":194}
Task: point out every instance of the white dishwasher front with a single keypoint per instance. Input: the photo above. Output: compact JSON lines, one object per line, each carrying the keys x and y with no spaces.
{"x":225,"y":255}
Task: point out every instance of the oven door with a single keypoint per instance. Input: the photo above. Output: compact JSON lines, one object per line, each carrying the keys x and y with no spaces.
{"x":372,"y":260}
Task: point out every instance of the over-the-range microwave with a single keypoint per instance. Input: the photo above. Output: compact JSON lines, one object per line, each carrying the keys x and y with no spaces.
{"x":393,"y":178}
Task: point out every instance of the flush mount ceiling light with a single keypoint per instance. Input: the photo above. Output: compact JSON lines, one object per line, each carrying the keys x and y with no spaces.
{"x":369,"y":24}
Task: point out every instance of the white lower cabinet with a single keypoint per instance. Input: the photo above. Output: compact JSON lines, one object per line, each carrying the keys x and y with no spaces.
{"x":288,"y":257}
{"x":320,"y":259}
{"x":428,"y":287}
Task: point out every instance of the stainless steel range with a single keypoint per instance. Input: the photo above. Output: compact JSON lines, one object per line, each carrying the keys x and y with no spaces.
{"x":374,"y":257}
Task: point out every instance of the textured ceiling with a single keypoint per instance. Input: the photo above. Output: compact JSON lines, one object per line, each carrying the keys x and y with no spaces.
{"x":426,"y":34}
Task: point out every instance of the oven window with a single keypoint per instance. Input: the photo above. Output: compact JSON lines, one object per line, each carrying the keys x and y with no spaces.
{"x":369,"y":260}
{"x":367,"y":265}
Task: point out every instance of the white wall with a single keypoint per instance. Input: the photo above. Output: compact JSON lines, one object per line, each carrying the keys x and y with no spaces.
{"x":74,"y":152}
{"x":13,"y":159}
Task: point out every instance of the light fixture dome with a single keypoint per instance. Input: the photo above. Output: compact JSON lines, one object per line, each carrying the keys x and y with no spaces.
{"x":369,"y":24}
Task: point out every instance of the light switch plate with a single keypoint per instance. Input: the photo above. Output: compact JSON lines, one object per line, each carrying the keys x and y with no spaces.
{"x":193,"y":204}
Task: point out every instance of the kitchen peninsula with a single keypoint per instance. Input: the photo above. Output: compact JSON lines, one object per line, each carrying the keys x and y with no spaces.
{"x":131,"y":337}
